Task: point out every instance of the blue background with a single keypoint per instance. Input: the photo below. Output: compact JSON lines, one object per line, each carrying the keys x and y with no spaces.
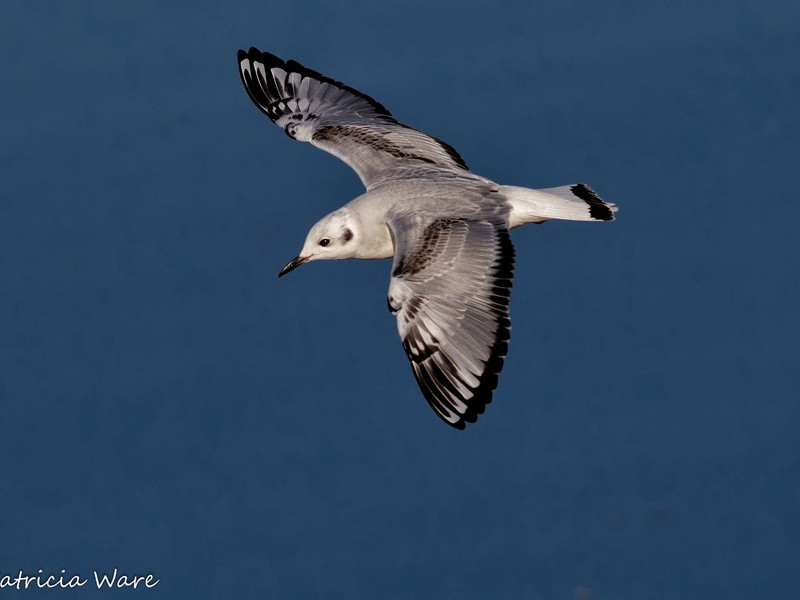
{"x":170,"y":406}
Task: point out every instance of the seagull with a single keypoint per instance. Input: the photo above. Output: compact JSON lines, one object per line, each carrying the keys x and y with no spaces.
{"x":445,"y":228}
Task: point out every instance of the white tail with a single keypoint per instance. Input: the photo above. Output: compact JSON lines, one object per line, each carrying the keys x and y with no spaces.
{"x":568,"y":202}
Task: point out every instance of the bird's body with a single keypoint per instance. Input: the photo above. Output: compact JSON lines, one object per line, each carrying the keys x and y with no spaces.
{"x":372,"y":211}
{"x":445,"y":227}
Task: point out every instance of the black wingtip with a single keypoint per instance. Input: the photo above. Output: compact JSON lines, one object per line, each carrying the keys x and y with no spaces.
{"x":597,"y":208}
{"x":254,"y":54}
{"x":271,"y":61}
{"x":267,"y":58}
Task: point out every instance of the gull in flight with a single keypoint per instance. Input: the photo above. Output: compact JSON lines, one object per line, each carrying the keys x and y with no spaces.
{"x":445,"y":227}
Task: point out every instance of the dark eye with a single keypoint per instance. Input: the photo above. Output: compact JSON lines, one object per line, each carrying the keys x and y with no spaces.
{"x":324,"y":242}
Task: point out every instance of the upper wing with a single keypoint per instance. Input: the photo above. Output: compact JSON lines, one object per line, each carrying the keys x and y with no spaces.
{"x":450,"y":288}
{"x":338,"y":119}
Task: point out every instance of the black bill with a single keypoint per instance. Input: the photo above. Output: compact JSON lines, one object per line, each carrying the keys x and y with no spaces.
{"x":293,"y":264}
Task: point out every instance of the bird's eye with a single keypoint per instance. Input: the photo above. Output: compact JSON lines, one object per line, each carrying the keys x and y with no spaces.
{"x":324,"y":242}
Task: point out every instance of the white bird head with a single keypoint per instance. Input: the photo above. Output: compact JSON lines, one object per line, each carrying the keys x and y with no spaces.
{"x":330,"y":238}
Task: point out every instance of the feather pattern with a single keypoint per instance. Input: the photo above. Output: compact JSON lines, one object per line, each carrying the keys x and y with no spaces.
{"x":450,"y":290}
{"x":340,"y":120}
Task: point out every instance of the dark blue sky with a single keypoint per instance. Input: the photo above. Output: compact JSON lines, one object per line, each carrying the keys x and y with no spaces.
{"x":169,"y":406}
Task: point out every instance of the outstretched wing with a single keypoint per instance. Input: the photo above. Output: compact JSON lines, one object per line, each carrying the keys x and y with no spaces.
{"x":340,"y":120}
{"x":450,"y":289}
